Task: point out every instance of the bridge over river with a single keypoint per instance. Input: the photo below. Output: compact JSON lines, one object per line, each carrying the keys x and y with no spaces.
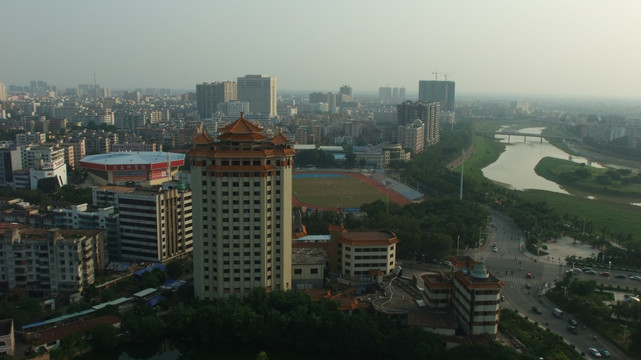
{"x":509,"y":134}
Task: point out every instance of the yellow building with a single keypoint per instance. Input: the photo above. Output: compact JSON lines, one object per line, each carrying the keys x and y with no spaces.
{"x":242,"y":211}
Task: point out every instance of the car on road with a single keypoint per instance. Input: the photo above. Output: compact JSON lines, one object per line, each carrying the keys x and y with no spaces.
{"x":620,"y":276}
{"x":573,"y":329}
{"x":576,"y":270}
{"x":528,"y":275}
{"x":537,"y":310}
{"x":495,"y":249}
{"x":594,"y":352}
{"x":528,"y":286}
{"x":586,"y":269}
{"x":572,"y":322}
{"x":590,"y":272}
{"x":605,"y":353}
{"x":635,"y":277}
{"x":605,"y":273}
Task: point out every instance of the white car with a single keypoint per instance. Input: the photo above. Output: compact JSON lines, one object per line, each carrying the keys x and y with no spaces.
{"x":594,"y":352}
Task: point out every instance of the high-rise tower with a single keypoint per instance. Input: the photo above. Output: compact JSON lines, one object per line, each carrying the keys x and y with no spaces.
{"x":209,"y":95}
{"x":242,"y":207}
{"x":260,"y":91}
{"x":437,"y":91}
{"x":428,"y":113}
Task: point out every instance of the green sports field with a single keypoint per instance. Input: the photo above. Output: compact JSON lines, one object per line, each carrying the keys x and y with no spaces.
{"x":333,"y":192}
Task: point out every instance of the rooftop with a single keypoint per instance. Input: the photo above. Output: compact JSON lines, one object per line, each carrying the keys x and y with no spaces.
{"x":131,"y":158}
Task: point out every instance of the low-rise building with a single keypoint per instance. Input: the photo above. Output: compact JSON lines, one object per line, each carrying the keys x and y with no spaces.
{"x":470,"y":293}
{"x":356,"y":253}
{"x":7,"y":338}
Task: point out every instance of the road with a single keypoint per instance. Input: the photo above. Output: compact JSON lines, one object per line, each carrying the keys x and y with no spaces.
{"x":511,"y":264}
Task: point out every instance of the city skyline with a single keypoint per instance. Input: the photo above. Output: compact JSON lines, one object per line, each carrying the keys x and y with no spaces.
{"x":574,"y":48}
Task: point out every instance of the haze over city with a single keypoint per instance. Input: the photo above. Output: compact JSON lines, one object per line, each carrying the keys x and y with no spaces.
{"x":578,"y":48}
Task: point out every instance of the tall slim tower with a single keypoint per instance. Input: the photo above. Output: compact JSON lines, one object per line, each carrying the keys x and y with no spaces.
{"x":260,"y":91}
{"x":243,"y":211}
{"x":3,"y":92}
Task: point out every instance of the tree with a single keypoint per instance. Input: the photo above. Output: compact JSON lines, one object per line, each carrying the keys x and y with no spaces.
{"x":175,"y":268}
{"x":350,"y":160}
{"x":90,"y":292}
{"x":104,"y":337}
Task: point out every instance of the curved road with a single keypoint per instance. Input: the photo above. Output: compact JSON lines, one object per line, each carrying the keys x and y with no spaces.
{"x":511,"y":265}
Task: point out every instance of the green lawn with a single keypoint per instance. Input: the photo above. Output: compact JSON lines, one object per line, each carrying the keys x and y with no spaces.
{"x":332,"y":192}
{"x":578,"y":179}
{"x":617,"y":216}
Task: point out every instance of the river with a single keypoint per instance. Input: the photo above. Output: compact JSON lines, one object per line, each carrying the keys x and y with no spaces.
{"x":515,"y":166}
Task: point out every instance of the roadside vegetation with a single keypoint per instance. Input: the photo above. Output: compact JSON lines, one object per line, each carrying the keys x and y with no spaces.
{"x":619,"y":322}
{"x":532,"y":340}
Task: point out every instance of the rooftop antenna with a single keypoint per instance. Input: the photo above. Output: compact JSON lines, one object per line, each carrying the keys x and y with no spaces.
{"x":435,"y":73}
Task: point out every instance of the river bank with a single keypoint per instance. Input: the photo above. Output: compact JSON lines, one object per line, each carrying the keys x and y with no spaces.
{"x":617,"y":218}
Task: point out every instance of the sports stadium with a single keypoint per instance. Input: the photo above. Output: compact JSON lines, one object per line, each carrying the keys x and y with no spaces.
{"x":143,"y":168}
{"x":347,"y":191}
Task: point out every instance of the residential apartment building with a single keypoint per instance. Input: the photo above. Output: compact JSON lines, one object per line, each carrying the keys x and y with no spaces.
{"x":50,"y":262}
{"x":136,"y":147}
{"x":10,"y":161}
{"x":3,"y":92}
{"x":411,"y":136}
{"x":107,"y":117}
{"x":155,"y":224}
{"x":83,"y":217}
{"x":79,"y":150}
{"x":242,"y":211}
{"x":210,"y":95}
{"x":29,"y":138}
{"x":233,"y":108}
{"x":261,"y":93}
{"x":429,"y":113}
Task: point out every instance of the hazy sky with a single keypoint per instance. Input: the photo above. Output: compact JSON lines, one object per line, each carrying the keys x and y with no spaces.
{"x":567,"y":47}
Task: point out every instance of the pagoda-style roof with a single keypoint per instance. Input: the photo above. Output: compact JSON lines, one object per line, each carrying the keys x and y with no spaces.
{"x":203,"y":138}
{"x":241,"y":126}
{"x":280,"y":139}
{"x":241,"y":130}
